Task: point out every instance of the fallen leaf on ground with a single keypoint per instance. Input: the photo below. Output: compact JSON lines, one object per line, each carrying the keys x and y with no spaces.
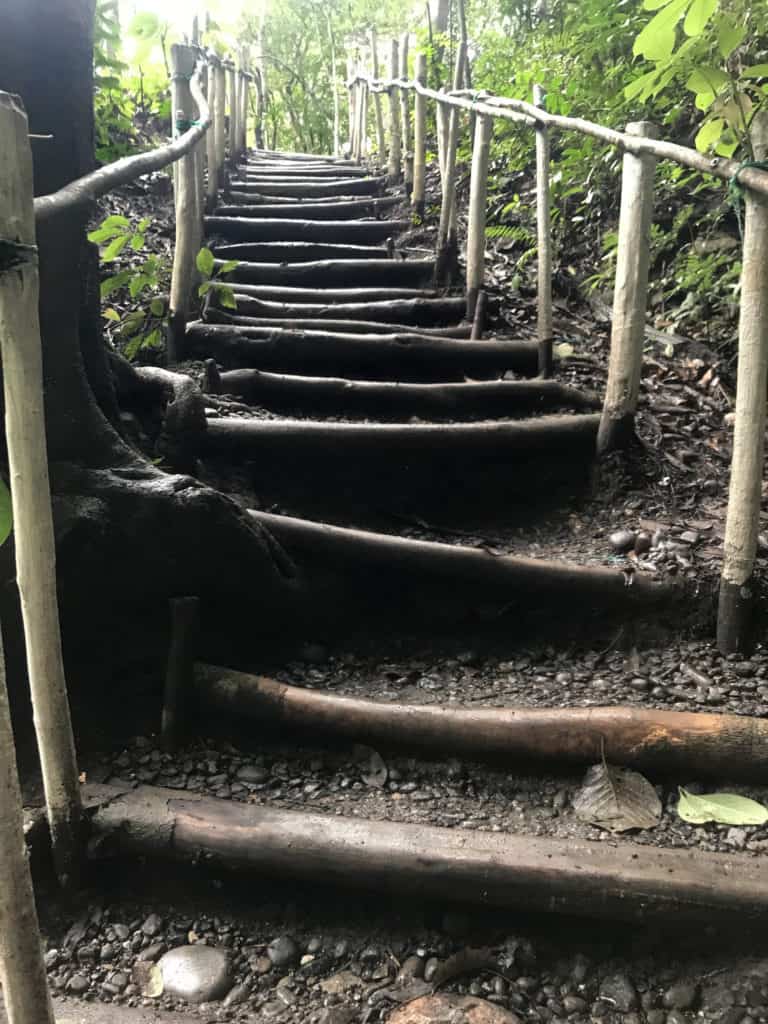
{"x":617,"y":799}
{"x":724,"y":808}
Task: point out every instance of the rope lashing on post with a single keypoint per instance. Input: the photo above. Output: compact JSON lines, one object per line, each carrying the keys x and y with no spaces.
{"x":736,"y":190}
{"x":183,"y":125}
{"x":16,"y":254}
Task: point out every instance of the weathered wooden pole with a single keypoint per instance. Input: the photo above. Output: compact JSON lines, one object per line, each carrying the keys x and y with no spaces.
{"x":419,"y":139}
{"x":441,"y":122}
{"x":395,"y":148}
{"x":381,"y":141}
{"x":243,"y":120}
{"x":220,"y":118}
{"x":212,"y":179}
{"x":446,"y":232}
{"x":187,"y":213}
{"x":351,"y":96}
{"x":405,"y":114}
{"x":232,"y":98}
{"x":543,"y":241}
{"x":260,"y":110}
{"x":737,"y":587}
{"x":21,"y":354}
{"x":22,"y":968}
{"x":478,"y":193}
{"x":629,"y":295}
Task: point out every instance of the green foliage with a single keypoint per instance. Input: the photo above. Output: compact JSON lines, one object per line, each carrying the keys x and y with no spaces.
{"x":6,"y":512}
{"x":211,"y":275}
{"x":723,"y":808}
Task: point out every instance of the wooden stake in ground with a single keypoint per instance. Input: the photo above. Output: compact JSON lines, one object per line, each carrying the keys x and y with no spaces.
{"x":441,"y":122}
{"x":737,"y":588}
{"x":232,"y":95}
{"x":395,"y":149}
{"x":629,"y":295}
{"x":22,"y":968}
{"x":351,"y":95}
{"x":220,"y":117}
{"x":419,"y":139}
{"x":405,"y":114}
{"x":187,"y":213}
{"x":381,"y":141}
{"x":211,"y":188}
{"x":446,"y":232}
{"x":21,"y":353}
{"x":478,"y":191}
{"x":543,"y":241}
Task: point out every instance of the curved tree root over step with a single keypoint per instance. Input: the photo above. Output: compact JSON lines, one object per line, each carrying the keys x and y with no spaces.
{"x":337,"y":273}
{"x":360,"y":356}
{"x":220,"y":316}
{"x":329,"y":210}
{"x":674,"y":743}
{"x":511,"y":576}
{"x":329,"y":394}
{"x":421,"y":312}
{"x":567,"y":437}
{"x":621,"y":880}
{"x":342,"y":232}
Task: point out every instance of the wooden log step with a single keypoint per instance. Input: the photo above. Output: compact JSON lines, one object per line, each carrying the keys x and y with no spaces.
{"x":220,"y":316}
{"x":359,"y":356}
{"x":618,"y":880}
{"x":545,"y":436}
{"x":328,"y":187}
{"x":296,"y":252}
{"x":337,"y":273}
{"x":249,"y":198}
{"x":421,"y":312}
{"x":280,"y":154}
{"x":394,"y":399}
{"x":276,"y":293}
{"x":330,"y":210}
{"x":306,"y":170}
{"x":681,"y":744}
{"x":348,"y":232}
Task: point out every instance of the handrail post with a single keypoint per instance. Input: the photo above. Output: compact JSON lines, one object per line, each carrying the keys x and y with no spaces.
{"x":187,"y":212}
{"x":446,"y":234}
{"x":393,"y":167}
{"x":419,"y":139}
{"x":247,"y":93}
{"x":478,"y":192}
{"x":35,"y":548}
{"x":232,"y":106}
{"x":351,"y":96}
{"x":381,"y":142}
{"x":211,"y":187}
{"x":629,"y":295}
{"x":405,"y":114}
{"x":737,"y":587}
{"x":220,"y":100}
{"x":543,"y":241}
{"x":260,"y":112}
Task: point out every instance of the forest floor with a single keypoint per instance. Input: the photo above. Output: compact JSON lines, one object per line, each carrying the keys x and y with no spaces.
{"x":303,"y":954}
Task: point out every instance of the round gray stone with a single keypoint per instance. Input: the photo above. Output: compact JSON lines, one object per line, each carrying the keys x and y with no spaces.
{"x":282,"y":951}
{"x":198,"y":974}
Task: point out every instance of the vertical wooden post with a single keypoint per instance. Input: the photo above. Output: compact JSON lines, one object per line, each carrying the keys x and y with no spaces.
{"x":393,"y":167}
{"x":260,"y":111}
{"x":185,"y":614}
{"x":478,"y":192}
{"x":21,"y":354}
{"x":232,"y":96}
{"x":220,"y":99}
{"x":446,"y":233}
{"x":737,"y":586}
{"x":629,"y":295}
{"x":22,"y":968}
{"x":187,"y":213}
{"x":211,"y":159}
{"x":405,"y":114}
{"x":543,"y":241}
{"x":351,"y":96}
{"x":441,"y":121}
{"x":381,"y":143}
{"x":419,"y":139}
{"x":364,"y":121}
{"x":244,"y":97}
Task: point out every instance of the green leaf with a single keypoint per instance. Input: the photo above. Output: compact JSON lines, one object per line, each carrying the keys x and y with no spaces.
{"x":698,"y":16}
{"x":111,"y":284}
{"x":6,"y":512}
{"x":654,"y":5}
{"x":114,"y":248}
{"x":144,"y":223}
{"x":640,"y":84}
{"x":227,"y":298}
{"x":709,"y":133}
{"x":729,"y":35}
{"x":137,"y":241}
{"x":145,"y":26}
{"x":137,"y":283}
{"x":563,"y":350}
{"x":724,"y":808}
{"x":657,"y":40}
{"x":755,"y":71}
{"x":115,"y":220}
{"x":104,"y":234}
{"x":204,"y":288}
{"x":205,"y":262}
{"x":157,"y":307}
{"x":153,"y":340}
{"x":228,"y":266}
{"x":111,"y":314}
